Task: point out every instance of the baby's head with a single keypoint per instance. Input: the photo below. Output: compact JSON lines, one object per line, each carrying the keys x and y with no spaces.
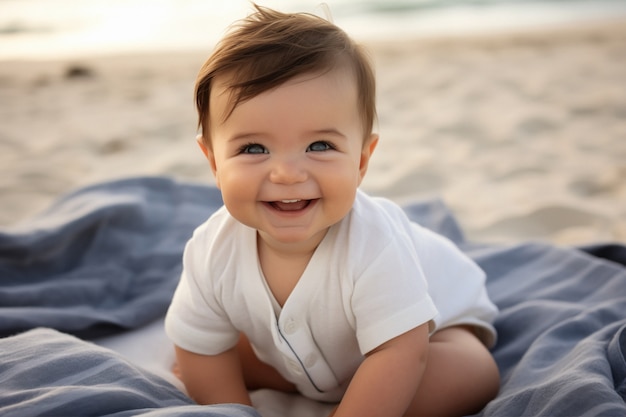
{"x":269,"y":48}
{"x":286,"y":107}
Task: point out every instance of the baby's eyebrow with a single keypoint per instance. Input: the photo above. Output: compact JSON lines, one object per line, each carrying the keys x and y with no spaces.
{"x":259,"y":135}
{"x":329,"y":131}
{"x":245,"y":136}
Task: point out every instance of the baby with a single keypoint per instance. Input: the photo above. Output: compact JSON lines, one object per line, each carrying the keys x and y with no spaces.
{"x":302,"y":282}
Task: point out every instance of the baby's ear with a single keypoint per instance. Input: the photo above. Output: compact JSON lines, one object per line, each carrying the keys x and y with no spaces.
{"x":208,"y":153}
{"x":366,"y":153}
{"x":202,"y":144}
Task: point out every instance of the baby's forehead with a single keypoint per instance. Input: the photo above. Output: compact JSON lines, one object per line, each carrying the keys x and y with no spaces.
{"x":228,"y":90}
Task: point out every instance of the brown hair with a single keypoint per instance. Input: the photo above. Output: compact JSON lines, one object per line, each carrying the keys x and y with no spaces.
{"x":268,"y":48}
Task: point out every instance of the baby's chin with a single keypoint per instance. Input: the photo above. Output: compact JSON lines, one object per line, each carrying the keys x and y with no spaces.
{"x":293,"y":237}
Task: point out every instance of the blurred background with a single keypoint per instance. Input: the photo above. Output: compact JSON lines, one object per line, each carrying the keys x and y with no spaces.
{"x":513,"y":112}
{"x":68,"y":28}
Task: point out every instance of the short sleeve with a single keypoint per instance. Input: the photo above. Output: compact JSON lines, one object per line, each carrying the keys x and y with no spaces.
{"x":195,"y":320}
{"x":390,"y":295}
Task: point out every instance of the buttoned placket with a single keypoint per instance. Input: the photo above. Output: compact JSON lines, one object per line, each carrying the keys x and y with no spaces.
{"x":294,"y":340}
{"x":301,"y":355}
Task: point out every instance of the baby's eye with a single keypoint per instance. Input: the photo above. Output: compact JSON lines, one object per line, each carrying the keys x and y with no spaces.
{"x":253,"y":148}
{"x":320,"y":146}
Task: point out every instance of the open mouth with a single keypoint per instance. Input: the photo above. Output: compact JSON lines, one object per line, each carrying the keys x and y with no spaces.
{"x":290,"y":205}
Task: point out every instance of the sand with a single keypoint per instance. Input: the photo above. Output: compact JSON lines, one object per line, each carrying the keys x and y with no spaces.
{"x":522,"y":134}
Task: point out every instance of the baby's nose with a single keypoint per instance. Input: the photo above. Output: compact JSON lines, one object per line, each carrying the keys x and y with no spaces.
{"x":287,"y":171}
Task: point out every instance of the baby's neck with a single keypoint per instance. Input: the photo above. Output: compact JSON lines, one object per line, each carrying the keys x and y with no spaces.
{"x":288,"y":250}
{"x":283,"y":265}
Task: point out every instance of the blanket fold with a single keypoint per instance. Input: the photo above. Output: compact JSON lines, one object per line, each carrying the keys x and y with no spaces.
{"x":47,"y":373}
{"x":102,"y":259}
{"x":617,"y":359}
{"x":560,"y":329}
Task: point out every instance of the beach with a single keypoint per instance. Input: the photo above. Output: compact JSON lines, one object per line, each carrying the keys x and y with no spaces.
{"x":522,"y":134}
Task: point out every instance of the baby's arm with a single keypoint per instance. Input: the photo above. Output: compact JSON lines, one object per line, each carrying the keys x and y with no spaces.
{"x":213,"y":379}
{"x":388,"y":378}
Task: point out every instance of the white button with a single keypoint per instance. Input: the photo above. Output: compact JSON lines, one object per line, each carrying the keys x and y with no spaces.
{"x":310,"y":360}
{"x":290,"y":327}
{"x":294,"y":367}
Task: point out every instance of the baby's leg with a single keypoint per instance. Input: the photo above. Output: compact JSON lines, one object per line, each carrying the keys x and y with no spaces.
{"x":258,"y":374}
{"x":461,"y":376}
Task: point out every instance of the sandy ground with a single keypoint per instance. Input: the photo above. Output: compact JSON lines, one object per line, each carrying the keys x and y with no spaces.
{"x":523,"y":135}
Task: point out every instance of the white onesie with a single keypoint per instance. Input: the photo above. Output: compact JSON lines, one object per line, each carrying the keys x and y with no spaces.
{"x":374,"y":276}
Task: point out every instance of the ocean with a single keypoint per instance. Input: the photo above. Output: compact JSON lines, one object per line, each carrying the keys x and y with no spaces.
{"x":32,"y":29}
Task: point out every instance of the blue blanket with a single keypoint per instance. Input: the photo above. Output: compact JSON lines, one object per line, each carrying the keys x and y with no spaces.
{"x":107,"y":258}
{"x":47,"y":373}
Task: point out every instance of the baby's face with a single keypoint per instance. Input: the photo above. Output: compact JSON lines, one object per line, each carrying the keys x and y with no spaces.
{"x":289,"y":161}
